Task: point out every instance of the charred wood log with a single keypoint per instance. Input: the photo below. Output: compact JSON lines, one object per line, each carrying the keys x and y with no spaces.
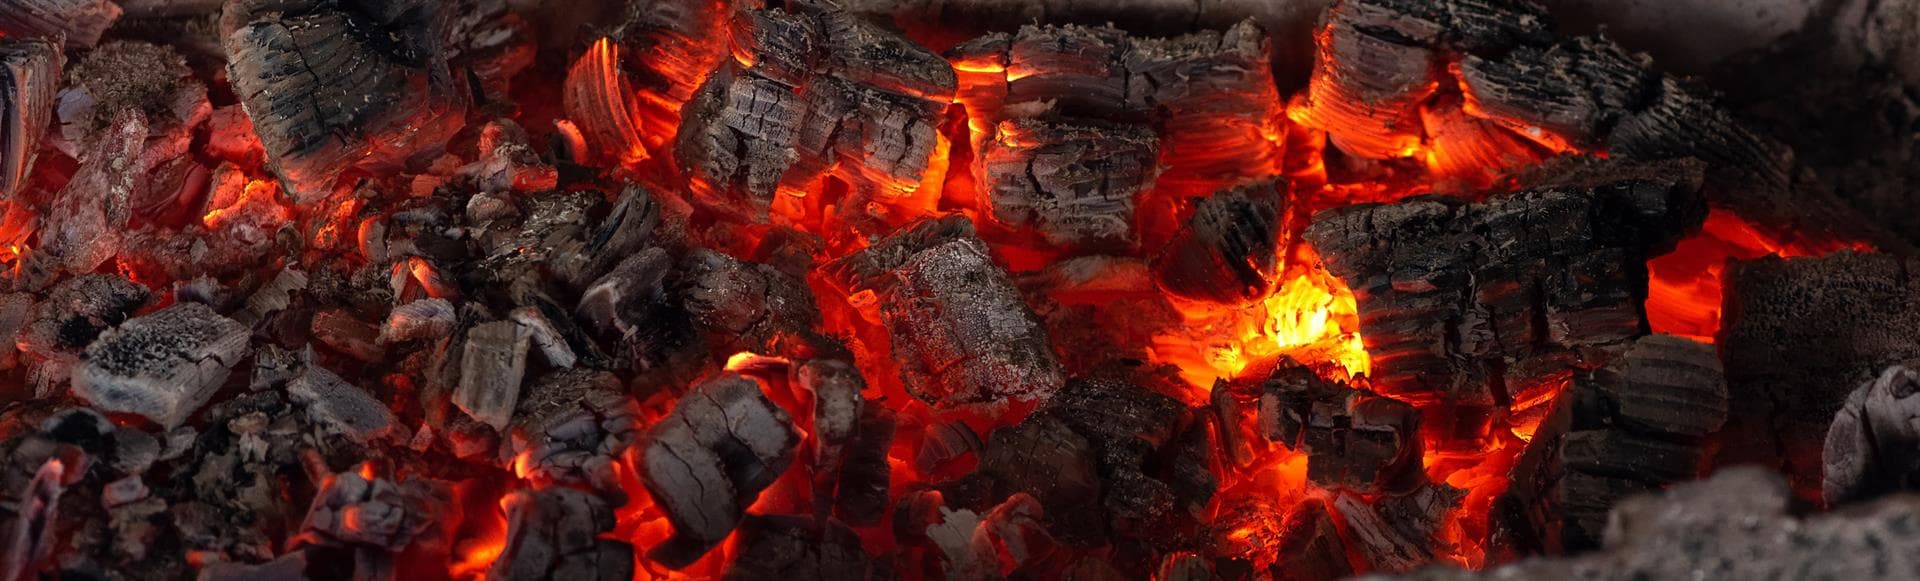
{"x":1637,"y":425}
{"x":1397,"y":533}
{"x":163,"y":366}
{"x":79,"y":22}
{"x":335,"y":84}
{"x":792,"y":548}
{"x":1043,"y":457}
{"x":851,"y":442}
{"x":1075,"y":182}
{"x":1871,"y":447}
{"x":1480,"y":304}
{"x":1126,"y":427}
{"x":353,"y":510}
{"x":1861,"y":309}
{"x":669,"y":48}
{"x":558,"y":533}
{"x":709,"y":459}
{"x":1311,"y":547}
{"x":570,"y":427}
{"x":29,"y":77}
{"x":742,"y":306}
{"x":870,"y":270}
{"x":1353,"y":439}
{"x":1217,"y":109}
{"x":1228,"y":250}
{"x":492,"y":365}
{"x":342,"y":407}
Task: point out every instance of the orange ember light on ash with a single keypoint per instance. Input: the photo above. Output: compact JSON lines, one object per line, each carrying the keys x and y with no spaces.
{"x":1684,"y":290}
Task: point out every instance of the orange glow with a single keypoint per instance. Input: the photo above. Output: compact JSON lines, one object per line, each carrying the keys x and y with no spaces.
{"x":1684,"y":286}
{"x":260,"y":198}
{"x":1312,"y":317}
{"x":597,"y":96}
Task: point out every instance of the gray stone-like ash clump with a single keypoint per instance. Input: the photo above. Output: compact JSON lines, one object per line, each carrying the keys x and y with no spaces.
{"x":163,"y":366}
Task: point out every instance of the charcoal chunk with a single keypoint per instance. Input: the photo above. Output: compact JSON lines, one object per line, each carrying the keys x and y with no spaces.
{"x":163,"y":366}
{"x":559,"y":533}
{"x":709,"y":459}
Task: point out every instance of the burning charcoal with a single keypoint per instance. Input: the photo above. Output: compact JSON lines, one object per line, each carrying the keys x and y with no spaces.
{"x":84,"y":225}
{"x":1353,"y":439}
{"x":508,"y":163}
{"x":16,"y":312}
{"x":839,"y":417}
{"x":543,"y":335}
{"x":29,"y":76}
{"x":1456,"y":300}
{"x":1871,"y":447}
{"x":964,"y":337}
{"x":1396,"y":533}
{"x":1228,"y":251}
{"x":597,"y":101}
{"x":340,"y":406}
{"x":557,"y":533}
{"x":1801,"y":336}
{"x":275,"y":295}
{"x":865,"y":475}
{"x":1637,"y":425}
{"x":945,"y":442}
{"x":709,"y":459}
{"x":347,"y":335}
{"x":1185,"y":566}
{"x":571,"y":426}
{"x":491,"y":367}
{"x":811,"y":93}
{"x":1311,"y":548}
{"x":351,"y":509}
{"x":1075,"y":182}
{"x":371,"y":86}
{"x":1045,"y":458}
{"x":795,"y":549}
{"x":1125,"y":425}
{"x":424,"y":319}
{"x":80,"y":22}
{"x":163,"y":366}
{"x":29,"y":534}
{"x":743,"y":306}
{"x":1571,"y":92}
{"x":977,"y":547}
{"x":870,"y":270}
{"x":1216,"y":102}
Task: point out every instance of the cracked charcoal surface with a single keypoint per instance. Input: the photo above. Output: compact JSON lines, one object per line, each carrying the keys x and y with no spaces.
{"x":163,"y":366}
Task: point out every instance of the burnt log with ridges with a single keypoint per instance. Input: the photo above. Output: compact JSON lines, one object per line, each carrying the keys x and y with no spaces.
{"x":709,"y":459}
{"x":336,"y":84}
{"x":80,"y":22}
{"x":1075,"y":182}
{"x":961,"y":332}
{"x":1478,"y":304}
{"x":29,"y":78}
{"x":560,"y":533}
{"x":1045,"y":458}
{"x":1229,"y":249}
{"x":1799,"y":336}
{"x":1396,"y":533}
{"x":1354,"y":439}
{"x":571,"y":426}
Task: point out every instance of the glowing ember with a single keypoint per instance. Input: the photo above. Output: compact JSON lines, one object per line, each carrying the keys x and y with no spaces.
{"x":1683,"y":295}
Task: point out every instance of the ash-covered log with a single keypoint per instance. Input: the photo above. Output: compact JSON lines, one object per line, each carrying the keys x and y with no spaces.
{"x":559,"y":533}
{"x":810,"y":94}
{"x":1480,"y":304}
{"x":163,"y":366}
{"x":1075,"y":182}
{"x":29,"y":76}
{"x":341,"y":407}
{"x":1354,"y":439}
{"x":339,"y":84}
{"x":1228,"y":250}
{"x":1800,"y":335}
{"x":1639,"y":424}
{"x":79,"y":22}
{"x":709,"y":459}
{"x":963,"y":335}
{"x":1873,"y":447}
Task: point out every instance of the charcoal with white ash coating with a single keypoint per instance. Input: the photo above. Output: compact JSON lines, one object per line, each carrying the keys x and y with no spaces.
{"x":1354,"y":439}
{"x":76,"y":311}
{"x":981,"y":545}
{"x":570,"y":427}
{"x":709,"y":459}
{"x":795,"y":548}
{"x":964,"y":337}
{"x":335,"y":406}
{"x":1228,"y":251}
{"x":1479,"y":304}
{"x":1799,"y":336}
{"x":335,"y":84}
{"x":375,"y":518}
{"x":1873,"y":446}
{"x":812,"y":93}
{"x":1736,"y":525}
{"x":29,"y":78}
{"x":163,"y":366}
{"x":80,"y":22}
{"x":559,"y":533}
{"x":87,"y":219}
{"x":1643,"y":422}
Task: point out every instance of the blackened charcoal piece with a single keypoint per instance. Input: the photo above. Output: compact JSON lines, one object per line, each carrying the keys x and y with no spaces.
{"x":963,"y":335}
{"x":492,"y":363}
{"x":1045,"y":458}
{"x":89,"y":216}
{"x":1572,"y":92}
{"x":793,"y":548}
{"x":123,"y":75}
{"x":341,"y":407}
{"x":743,"y":306}
{"x":1457,"y":301}
{"x":860,"y":494}
{"x":641,"y":218}
{"x":347,"y":335}
{"x":1125,"y":425}
{"x":1310,"y":547}
{"x":560,"y":533}
{"x":709,"y":459}
{"x":1873,"y":446}
{"x":1353,"y":439}
{"x":1077,"y":68}
{"x":163,"y":366}
{"x":350,"y":510}
{"x":1215,"y":104}
{"x":336,"y":84}
{"x":740,"y":139}
{"x":1075,"y":182}
{"x":1396,"y":533}
{"x":858,"y":50}
{"x":945,"y":442}
{"x":1800,"y":335}
{"x":75,"y":312}
{"x":1185,"y":566}
{"x":80,"y":22}
{"x":627,"y":301}
{"x":870,"y":270}
{"x":571,"y":426}
{"x":275,"y":295}
{"x":839,"y":411}
{"x":29,"y":77}
{"x":1228,"y":251}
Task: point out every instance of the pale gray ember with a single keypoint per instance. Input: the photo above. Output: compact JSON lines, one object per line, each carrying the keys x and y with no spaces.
{"x":1873,"y":446}
{"x":491,"y":368}
{"x":962,"y":333}
{"x":544,"y":336}
{"x":275,"y":295}
{"x":424,"y":319}
{"x":709,"y":459}
{"x":341,"y":407}
{"x":163,"y":366}
{"x":571,"y":425}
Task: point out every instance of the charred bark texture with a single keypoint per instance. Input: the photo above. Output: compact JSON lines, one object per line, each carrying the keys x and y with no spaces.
{"x":1354,"y":439}
{"x":709,"y":459}
{"x":29,"y":77}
